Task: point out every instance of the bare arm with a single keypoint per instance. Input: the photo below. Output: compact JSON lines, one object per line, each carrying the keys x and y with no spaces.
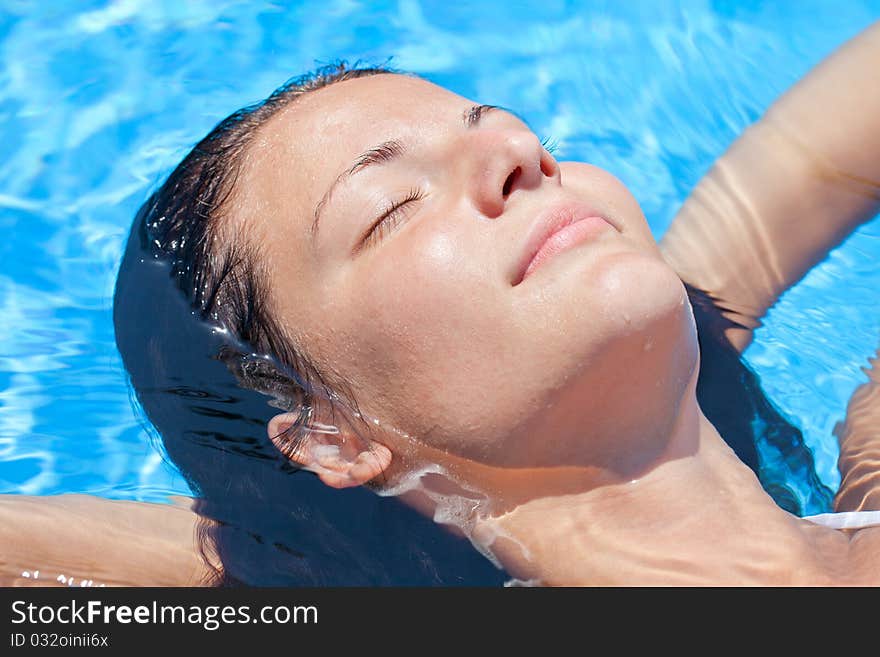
{"x":92,"y":539}
{"x":859,"y":438}
{"x":791,"y":188}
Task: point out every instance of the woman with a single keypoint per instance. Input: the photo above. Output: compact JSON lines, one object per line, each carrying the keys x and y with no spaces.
{"x":445,"y":314}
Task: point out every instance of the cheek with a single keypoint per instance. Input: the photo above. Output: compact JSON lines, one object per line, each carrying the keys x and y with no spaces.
{"x":416,"y":293}
{"x":433,"y":340}
{"x":423,"y":318}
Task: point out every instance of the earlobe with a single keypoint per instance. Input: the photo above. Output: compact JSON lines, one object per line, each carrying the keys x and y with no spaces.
{"x":340,"y":459}
{"x":339,"y":472}
{"x":369,"y":464}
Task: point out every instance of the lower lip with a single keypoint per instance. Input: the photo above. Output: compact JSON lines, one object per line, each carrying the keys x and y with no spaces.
{"x":575,"y":233}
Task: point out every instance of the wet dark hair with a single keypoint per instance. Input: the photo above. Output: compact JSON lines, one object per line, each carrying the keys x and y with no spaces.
{"x":210,"y":365}
{"x":730,"y":395}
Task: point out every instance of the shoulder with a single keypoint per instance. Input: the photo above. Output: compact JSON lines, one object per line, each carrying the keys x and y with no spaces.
{"x":864,"y":552}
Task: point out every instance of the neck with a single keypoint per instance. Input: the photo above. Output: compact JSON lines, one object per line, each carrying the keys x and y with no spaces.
{"x":697,"y":518}
{"x":697,"y":515}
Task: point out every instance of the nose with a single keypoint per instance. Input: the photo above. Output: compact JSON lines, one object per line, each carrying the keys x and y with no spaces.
{"x":505,"y":162}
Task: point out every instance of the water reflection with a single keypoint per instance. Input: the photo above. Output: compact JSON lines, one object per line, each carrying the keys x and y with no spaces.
{"x":82,"y":149}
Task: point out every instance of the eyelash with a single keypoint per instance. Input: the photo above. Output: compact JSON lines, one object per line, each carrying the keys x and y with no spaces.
{"x":390,"y":214}
{"x":550,"y":144}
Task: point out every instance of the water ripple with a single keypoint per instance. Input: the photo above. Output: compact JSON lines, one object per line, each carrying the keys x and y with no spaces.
{"x":99,"y":100}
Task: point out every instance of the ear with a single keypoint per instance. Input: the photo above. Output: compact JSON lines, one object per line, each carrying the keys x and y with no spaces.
{"x":339,"y":458}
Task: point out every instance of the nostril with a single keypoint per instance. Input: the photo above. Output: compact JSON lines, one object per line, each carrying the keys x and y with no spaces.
{"x":548,"y":166}
{"x":508,"y":184}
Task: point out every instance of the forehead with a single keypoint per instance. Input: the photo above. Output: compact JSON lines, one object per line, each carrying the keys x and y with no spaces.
{"x":298,"y":153}
{"x":323,"y":129}
{"x":330,"y":125}
{"x":353,"y":105}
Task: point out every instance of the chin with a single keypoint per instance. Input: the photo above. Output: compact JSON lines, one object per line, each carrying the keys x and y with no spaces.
{"x":615,"y":289}
{"x":628,"y":335}
{"x":647,"y":314}
{"x":641,"y":287}
{"x":622,"y":305}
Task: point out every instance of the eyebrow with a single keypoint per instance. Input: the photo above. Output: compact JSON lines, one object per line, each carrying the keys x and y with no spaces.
{"x":386,"y":152}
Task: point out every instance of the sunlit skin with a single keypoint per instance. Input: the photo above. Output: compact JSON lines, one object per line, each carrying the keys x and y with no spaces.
{"x":553,"y":421}
{"x":425,"y":323}
{"x":564,"y":401}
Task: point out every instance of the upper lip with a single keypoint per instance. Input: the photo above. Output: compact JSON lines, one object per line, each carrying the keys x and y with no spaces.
{"x":553,"y":219}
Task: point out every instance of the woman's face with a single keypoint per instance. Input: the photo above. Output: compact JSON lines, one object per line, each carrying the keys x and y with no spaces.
{"x":429,"y":319}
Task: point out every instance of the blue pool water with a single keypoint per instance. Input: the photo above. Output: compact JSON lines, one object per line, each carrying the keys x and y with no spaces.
{"x":98,"y":101}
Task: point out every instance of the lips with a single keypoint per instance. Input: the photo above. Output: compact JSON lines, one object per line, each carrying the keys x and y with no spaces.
{"x":559,"y":228}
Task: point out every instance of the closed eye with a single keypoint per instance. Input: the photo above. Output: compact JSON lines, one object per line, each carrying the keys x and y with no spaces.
{"x":391,"y":218}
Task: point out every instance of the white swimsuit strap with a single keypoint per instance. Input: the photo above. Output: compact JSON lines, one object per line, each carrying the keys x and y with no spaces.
{"x":847,"y":519}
